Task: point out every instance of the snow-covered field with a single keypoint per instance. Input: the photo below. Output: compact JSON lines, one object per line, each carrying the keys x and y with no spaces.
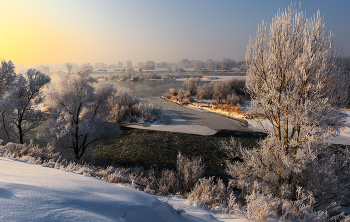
{"x":30,"y":192}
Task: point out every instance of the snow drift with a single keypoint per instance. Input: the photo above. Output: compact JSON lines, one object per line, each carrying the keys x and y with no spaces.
{"x":35,"y":193}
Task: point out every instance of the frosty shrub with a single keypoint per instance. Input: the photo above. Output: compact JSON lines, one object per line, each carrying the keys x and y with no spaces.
{"x":168,"y":183}
{"x":234,"y":100}
{"x":260,"y":206}
{"x":192,"y":85}
{"x":78,"y":112}
{"x":148,"y":112}
{"x":298,"y":87}
{"x":152,"y":75}
{"x":172,"y":91}
{"x":125,"y":106}
{"x":220,"y":91}
{"x":237,"y":85}
{"x":129,"y":72}
{"x":208,"y":193}
{"x":182,"y":97}
{"x":189,"y":172}
{"x":315,"y":167}
{"x":205,"y":91}
{"x":23,"y":151}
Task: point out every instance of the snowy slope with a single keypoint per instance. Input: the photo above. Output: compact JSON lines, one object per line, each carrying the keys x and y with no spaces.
{"x":35,"y":193}
{"x":31,"y":192}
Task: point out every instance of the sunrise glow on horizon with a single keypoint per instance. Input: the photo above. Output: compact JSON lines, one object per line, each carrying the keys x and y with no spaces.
{"x":38,"y":32}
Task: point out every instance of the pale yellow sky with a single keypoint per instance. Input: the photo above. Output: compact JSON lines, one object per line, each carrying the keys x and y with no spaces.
{"x":80,"y":31}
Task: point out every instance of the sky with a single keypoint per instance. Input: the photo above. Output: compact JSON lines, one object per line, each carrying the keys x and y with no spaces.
{"x":80,"y":31}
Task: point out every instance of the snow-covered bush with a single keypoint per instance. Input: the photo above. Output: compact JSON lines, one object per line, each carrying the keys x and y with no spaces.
{"x":237,"y":85}
{"x":181,"y":96}
{"x":129,"y":72}
{"x":15,"y":150}
{"x":189,"y":172}
{"x":148,"y":112}
{"x":260,"y":206}
{"x":205,"y":91}
{"x":234,"y":100}
{"x":168,"y":182}
{"x":208,"y":193}
{"x":220,"y":91}
{"x":315,"y":167}
{"x":125,"y":106}
{"x":172,"y":92}
{"x":192,"y":85}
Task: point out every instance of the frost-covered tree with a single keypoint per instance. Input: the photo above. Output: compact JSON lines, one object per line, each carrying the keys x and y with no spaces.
{"x":7,"y":79}
{"x":192,"y":85}
{"x":149,"y":65}
{"x":297,"y":88}
{"x":24,"y":101}
{"x":69,"y":67}
{"x":20,"y":97}
{"x":184,"y":63}
{"x":78,"y":112}
{"x":128,"y":64}
{"x":197,"y":65}
{"x":210,"y":64}
{"x":226,"y":64}
{"x":44,"y":69}
{"x":294,"y":78}
{"x":7,"y":76}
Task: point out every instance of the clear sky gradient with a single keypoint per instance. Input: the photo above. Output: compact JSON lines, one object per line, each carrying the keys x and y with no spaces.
{"x":79,"y":31}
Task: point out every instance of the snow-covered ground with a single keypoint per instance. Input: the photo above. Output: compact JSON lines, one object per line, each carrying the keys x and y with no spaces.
{"x":30,"y":192}
{"x":176,"y":124}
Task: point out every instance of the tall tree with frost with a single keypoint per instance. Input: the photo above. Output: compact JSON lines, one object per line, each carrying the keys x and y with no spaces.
{"x":7,"y":76}
{"x":297,"y":86}
{"x":78,"y":112}
{"x":7,"y":79}
{"x":25,"y":98}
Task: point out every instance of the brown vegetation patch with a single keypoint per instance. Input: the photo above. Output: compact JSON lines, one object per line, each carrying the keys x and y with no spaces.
{"x":229,"y":109}
{"x":209,"y":77}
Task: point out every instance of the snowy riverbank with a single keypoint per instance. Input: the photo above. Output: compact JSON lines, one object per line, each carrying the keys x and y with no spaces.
{"x":203,"y":127}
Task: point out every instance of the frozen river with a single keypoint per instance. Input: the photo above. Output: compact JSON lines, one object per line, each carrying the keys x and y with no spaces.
{"x":151,"y":91}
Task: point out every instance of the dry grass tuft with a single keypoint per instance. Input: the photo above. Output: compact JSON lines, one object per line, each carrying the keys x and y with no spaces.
{"x":229,"y":109}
